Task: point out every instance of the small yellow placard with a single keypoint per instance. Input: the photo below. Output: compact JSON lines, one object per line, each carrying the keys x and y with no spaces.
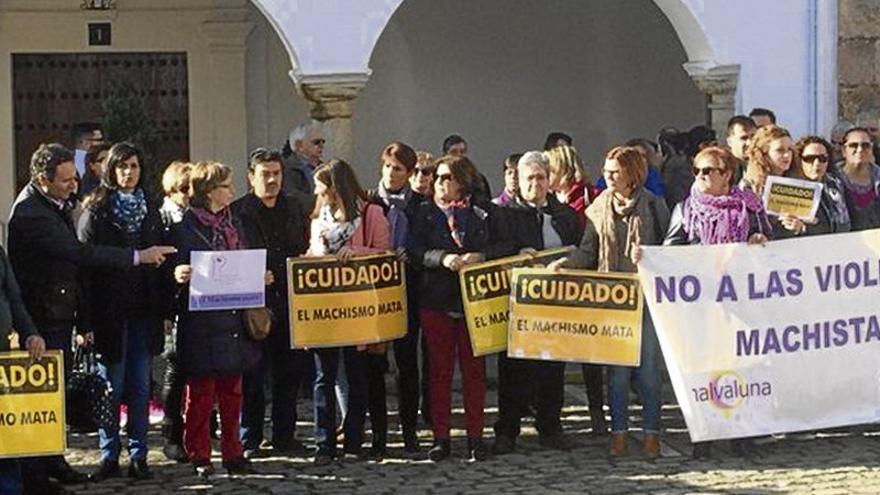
{"x":786,"y":196}
{"x":31,"y":405}
{"x":578,"y":316}
{"x":340,"y":304}
{"x":485,"y":295}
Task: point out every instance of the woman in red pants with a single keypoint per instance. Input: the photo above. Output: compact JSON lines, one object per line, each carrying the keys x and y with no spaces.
{"x":454,"y":228}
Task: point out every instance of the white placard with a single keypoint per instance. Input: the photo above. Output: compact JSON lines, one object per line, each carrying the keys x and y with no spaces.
{"x":227,"y":279}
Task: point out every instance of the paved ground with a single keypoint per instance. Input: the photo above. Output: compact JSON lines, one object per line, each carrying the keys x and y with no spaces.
{"x":840,"y":462}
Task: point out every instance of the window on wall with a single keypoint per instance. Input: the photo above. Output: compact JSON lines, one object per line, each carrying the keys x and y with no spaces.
{"x":53,"y":91}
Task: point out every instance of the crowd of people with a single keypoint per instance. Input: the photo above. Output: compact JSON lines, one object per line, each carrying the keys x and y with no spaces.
{"x":99,"y":260}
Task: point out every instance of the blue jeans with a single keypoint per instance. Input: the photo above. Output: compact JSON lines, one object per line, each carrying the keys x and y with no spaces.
{"x":327,"y":366}
{"x":129,"y":377}
{"x":10,"y":477}
{"x":647,"y":377}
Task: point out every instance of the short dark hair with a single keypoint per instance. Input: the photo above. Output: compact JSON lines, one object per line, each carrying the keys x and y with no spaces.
{"x":740,"y":120}
{"x":401,"y":153}
{"x":555,"y":137}
{"x":263,"y":155}
{"x":511,"y":161}
{"x":465,"y":173}
{"x":96,"y":150}
{"x":765,"y":112}
{"x":80,"y":129}
{"x":47,"y":158}
{"x":119,"y":153}
{"x":451,"y":141}
{"x":855,"y":129}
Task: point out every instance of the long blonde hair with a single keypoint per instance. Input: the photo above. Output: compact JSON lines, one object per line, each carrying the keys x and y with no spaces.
{"x":566,"y":165}
{"x":759,"y":167}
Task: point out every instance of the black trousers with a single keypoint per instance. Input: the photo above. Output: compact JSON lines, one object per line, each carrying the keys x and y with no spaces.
{"x":595,"y":388}
{"x":519,"y":382}
{"x":377,"y":366}
{"x":172,"y":396}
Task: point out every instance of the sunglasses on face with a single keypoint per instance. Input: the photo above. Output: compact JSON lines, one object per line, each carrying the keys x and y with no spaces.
{"x":813,"y":158}
{"x":318,"y":142}
{"x":862,"y":145}
{"x":698,"y":171}
{"x":425,"y":171}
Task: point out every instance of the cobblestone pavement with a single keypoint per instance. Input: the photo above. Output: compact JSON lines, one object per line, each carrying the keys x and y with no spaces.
{"x":840,"y":462}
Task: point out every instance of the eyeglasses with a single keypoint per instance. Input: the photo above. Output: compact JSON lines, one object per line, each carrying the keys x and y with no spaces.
{"x":444,"y":177}
{"x":813,"y":158}
{"x":318,"y":142}
{"x":698,"y":171}
{"x":862,"y":145}
{"x":425,"y":171}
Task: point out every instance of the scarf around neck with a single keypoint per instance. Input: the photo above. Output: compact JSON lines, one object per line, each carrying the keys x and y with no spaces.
{"x":721,"y":219}
{"x":129,"y":209}
{"x":336,"y":233}
{"x":396,"y":203}
{"x":224,"y":235}
{"x":455,"y":212}
{"x":634,"y":212}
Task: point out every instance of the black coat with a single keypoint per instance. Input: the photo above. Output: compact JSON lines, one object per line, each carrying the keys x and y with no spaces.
{"x":119,"y":295}
{"x":289,"y":242}
{"x":524,"y":224}
{"x":13,"y":314}
{"x":430,"y":240}
{"x":211,"y":343}
{"x":47,"y":256}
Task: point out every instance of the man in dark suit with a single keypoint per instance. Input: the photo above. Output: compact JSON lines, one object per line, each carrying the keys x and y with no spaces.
{"x":46,"y":256}
{"x":278,"y":223}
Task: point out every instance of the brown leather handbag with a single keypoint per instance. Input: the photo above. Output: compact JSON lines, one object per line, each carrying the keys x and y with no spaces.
{"x":258,"y":322}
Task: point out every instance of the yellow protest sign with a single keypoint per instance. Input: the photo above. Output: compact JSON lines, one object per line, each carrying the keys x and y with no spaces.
{"x":338,"y":304}
{"x":786,"y":196}
{"x":578,"y":316}
{"x":31,"y":405}
{"x":485,"y":295}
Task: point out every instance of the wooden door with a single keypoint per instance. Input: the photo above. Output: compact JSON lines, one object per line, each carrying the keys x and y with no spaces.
{"x":53,"y":91}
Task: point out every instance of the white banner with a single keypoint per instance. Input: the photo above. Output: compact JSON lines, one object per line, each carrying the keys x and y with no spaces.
{"x":772,"y":339}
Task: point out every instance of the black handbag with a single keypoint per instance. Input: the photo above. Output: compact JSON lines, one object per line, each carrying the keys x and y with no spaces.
{"x":88,"y":401}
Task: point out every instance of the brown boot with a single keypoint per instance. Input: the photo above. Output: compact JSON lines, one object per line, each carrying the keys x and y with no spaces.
{"x":651,"y":449}
{"x":618,"y":445}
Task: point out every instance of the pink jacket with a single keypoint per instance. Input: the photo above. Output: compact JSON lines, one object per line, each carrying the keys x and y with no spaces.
{"x":373,"y":235}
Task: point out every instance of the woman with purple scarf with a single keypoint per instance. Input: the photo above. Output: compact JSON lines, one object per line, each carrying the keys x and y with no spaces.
{"x":716,"y":212}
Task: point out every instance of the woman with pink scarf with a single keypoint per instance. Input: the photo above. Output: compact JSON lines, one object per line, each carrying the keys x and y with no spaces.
{"x":716,"y":212}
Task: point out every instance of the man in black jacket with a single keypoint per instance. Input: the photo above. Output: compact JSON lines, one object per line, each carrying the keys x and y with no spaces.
{"x":278,"y":223}
{"x":537,"y":221}
{"x":46,"y":255}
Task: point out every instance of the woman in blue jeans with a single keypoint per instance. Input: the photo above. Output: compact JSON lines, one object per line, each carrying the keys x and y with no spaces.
{"x":620,"y":220}
{"x":124,"y":312}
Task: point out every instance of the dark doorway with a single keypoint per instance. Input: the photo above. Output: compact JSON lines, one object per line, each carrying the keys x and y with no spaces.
{"x":53,"y":91}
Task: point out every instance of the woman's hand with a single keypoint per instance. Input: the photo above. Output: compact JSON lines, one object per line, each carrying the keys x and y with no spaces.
{"x":182,"y":273}
{"x":529,"y":252}
{"x":401,"y":254}
{"x":452,"y":262}
{"x":344,"y":254}
{"x":793,"y":224}
{"x":471,"y":258}
{"x":556,"y":265}
{"x":635,"y":254}
{"x":35,"y":346}
{"x":758,"y":238}
{"x":269,"y":278}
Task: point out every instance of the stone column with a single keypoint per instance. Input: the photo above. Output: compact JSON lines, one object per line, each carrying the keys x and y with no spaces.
{"x":226,"y":35}
{"x":719,"y":83}
{"x":332,"y":104}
